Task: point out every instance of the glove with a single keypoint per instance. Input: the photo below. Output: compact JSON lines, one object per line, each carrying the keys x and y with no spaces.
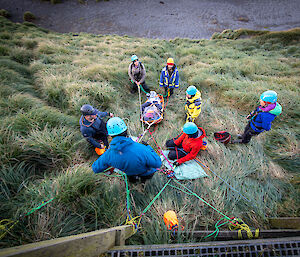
{"x":250,"y":115}
{"x":144,"y":143}
{"x":175,"y":164}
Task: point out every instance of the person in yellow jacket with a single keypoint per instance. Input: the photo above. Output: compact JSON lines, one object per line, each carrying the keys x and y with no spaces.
{"x":193,"y":103}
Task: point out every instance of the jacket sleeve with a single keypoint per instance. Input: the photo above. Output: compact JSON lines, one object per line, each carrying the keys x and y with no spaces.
{"x":179,"y":140}
{"x":176,"y":79}
{"x":100,"y":164}
{"x":143,"y":73}
{"x":161,"y":81}
{"x":130,"y":74}
{"x":197,"y":108}
{"x":102,"y":114}
{"x":152,"y":159}
{"x":191,"y":155}
{"x":92,"y":141}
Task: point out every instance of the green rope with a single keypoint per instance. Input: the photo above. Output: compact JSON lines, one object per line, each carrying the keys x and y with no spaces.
{"x":157,"y":195}
{"x":192,"y":193}
{"x":181,"y":190}
{"x":40,"y":206}
{"x":216,"y":232}
{"x":141,"y":87}
{"x":127,"y":193}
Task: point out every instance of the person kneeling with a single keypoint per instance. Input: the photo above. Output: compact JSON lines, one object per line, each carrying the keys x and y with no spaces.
{"x":186,"y":146}
{"x":136,"y":160}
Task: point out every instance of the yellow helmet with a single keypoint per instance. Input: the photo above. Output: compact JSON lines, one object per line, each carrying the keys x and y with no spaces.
{"x":170,"y":61}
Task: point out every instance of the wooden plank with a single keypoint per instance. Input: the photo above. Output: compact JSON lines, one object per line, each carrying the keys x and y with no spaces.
{"x":87,"y":244}
{"x":285,"y":222}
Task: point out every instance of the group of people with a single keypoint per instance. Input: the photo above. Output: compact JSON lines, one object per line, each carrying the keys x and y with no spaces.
{"x":138,"y":160}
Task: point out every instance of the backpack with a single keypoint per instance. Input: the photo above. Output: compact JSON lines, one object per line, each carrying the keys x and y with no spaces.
{"x":140,"y":66}
{"x":223,"y":137}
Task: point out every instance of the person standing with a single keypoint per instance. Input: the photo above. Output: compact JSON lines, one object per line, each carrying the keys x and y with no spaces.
{"x":261,"y":118}
{"x":169,"y":78}
{"x":137,"y":75}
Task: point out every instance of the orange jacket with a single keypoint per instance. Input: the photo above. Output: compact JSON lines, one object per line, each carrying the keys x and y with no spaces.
{"x":191,"y":145}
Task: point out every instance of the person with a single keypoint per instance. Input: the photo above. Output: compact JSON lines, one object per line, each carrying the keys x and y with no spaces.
{"x":193,"y":103}
{"x":137,"y":75}
{"x":261,"y":118}
{"x":152,"y":108}
{"x":187,"y":145}
{"x":93,"y":128}
{"x":169,"y":78}
{"x":138,"y":161}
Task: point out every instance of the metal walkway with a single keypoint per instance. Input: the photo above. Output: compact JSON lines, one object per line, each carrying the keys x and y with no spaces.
{"x":246,"y":248}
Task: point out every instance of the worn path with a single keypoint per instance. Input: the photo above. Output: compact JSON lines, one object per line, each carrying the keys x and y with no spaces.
{"x":159,"y":18}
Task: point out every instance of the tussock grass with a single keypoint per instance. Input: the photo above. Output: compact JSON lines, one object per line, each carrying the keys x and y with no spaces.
{"x":45,"y":77}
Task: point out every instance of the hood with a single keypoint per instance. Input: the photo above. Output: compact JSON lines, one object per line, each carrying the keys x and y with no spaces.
{"x":268,"y":107}
{"x":196,"y":96}
{"x":86,"y":123}
{"x":277,"y":110}
{"x":203,"y":132}
{"x":119,"y":142}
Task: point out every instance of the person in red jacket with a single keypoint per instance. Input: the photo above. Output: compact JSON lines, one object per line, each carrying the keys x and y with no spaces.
{"x":187,"y":145}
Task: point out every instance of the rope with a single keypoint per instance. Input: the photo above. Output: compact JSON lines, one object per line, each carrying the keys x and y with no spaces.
{"x":157,"y":195}
{"x":144,"y":133}
{"x":194,"y":194}
{"x":241,"y":225}
{"x":217,"y":226}
{"x":6,"y":222}
{"x":40,"y":206}
{"x":140,"y":99}
{"x":198,"y":161}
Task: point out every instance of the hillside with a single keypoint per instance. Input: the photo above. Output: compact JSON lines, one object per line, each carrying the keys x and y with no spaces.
{"x":45,"y":78}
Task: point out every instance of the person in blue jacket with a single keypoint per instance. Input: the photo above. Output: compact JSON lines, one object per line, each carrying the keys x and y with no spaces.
{"x":92,"y":127}
{"x":169,"y":78}
{"x":138,"y":161}
{"x":261,"y":118}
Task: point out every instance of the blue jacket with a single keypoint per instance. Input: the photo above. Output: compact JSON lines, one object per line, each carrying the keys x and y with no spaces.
{"x":128,"y":156}
{"x":262,"y":121}
{"x":166,"y":80}
{"x":94,"y":131}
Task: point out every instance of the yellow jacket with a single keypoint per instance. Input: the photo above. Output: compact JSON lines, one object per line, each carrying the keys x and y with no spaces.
{"x":193,"y":106}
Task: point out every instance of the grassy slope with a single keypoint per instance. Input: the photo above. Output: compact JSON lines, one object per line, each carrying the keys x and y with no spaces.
{"x":46,"y":77}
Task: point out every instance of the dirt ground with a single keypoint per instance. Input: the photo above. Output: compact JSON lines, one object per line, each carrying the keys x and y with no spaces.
{"x":163,"y":19}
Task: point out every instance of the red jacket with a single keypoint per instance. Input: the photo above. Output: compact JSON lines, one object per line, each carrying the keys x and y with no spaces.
{"x":191,"y":145}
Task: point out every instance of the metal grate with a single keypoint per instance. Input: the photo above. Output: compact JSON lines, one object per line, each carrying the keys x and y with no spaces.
{"x":261,"y":249}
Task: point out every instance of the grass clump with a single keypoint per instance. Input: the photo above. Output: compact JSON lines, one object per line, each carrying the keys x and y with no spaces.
{"x":4,"y":13}
{"x":28,"y":16}
{"x":46,"y":77}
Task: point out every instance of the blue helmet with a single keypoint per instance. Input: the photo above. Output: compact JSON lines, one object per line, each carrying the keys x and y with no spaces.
{"x":115,"y":126}
{"x":134,"y":57}
{"x":269,"y":96}
{"x":190,"y":128}
{"x":191,"y":90}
